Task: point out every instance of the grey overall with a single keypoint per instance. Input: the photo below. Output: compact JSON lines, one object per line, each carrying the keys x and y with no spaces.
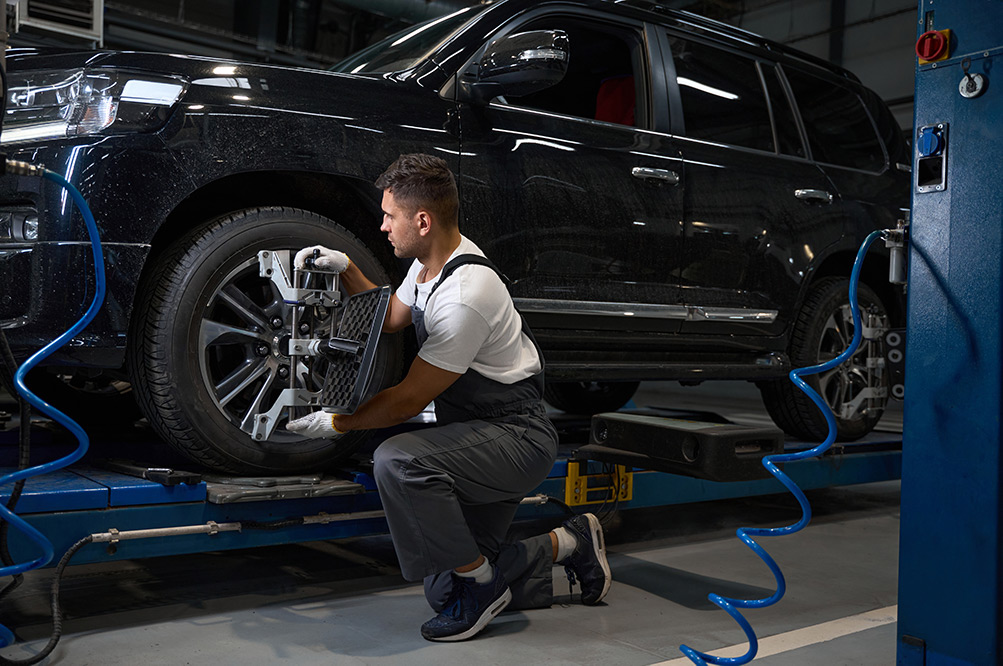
{"x":450,"y":492}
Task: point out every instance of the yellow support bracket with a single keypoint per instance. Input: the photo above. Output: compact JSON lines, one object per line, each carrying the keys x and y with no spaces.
{"x":581,"y":488}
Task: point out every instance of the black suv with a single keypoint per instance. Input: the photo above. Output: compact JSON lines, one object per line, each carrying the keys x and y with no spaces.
{"x":672,"y":198}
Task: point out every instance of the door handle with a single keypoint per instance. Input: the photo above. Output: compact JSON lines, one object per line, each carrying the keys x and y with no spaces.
{"x":813,"y":195}
{"x":647,"y":173}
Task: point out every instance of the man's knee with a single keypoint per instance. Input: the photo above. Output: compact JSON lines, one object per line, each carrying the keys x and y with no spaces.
{"x":389,"y":460}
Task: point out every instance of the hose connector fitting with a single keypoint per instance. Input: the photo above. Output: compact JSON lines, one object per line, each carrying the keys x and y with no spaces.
{"x":895,"y":241}
{"x":22,"y":168}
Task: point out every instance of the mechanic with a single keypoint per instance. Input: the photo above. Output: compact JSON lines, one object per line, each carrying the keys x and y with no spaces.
{"x":451,"y":492}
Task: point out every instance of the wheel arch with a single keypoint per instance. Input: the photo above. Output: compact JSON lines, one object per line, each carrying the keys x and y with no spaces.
{"x":338,"y":198}
{"x":874,"y":274}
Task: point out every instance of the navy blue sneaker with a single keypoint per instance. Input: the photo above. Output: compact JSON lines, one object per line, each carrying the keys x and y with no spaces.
{"x":469,"y":608}
{"x":588,"y":561}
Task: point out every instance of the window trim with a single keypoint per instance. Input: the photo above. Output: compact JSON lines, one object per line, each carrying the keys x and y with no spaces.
{"x":792,"y":107}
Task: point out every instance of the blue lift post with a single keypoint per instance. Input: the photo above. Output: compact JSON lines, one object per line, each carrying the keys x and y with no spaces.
{"x":950,"y":588}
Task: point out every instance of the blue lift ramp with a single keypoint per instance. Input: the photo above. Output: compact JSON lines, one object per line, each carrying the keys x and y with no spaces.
{"x":221,"y":513}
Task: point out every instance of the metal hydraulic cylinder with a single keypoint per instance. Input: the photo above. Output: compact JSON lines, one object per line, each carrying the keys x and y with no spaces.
{"x":951,"y":547}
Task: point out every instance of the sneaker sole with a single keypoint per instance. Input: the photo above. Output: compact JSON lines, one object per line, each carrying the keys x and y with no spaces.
{"x":599,"y":549}
{"x":489,"y":614}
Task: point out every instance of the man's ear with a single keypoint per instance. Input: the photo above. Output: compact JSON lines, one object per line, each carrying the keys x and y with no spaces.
{"x":424,"y":221}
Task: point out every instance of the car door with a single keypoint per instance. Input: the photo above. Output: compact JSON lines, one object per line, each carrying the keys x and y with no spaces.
{"x":583,"y":201}
{"x":845,"y":141}
{"x":757,"y":212}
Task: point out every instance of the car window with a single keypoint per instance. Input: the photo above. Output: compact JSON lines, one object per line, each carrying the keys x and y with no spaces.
{"x":407,"y":48}
{"x":839,"y":128}
{"x":604,"y":80}
{"x":722,"y":95}
{"x":788,"y":136}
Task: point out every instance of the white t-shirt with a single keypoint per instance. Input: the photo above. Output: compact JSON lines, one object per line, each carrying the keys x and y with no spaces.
{"x":471,"y":322}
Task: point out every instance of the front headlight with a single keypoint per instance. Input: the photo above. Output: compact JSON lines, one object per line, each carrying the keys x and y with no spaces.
{"x":56,"y":104}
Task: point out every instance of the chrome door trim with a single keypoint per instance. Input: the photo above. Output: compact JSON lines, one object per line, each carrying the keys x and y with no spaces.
{"x":644,"y":310}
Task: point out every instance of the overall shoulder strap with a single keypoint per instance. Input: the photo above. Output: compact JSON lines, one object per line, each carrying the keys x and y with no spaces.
{"x":462,"y":260}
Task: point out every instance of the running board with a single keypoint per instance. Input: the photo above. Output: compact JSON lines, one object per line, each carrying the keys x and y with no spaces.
{"x":712,"y":451}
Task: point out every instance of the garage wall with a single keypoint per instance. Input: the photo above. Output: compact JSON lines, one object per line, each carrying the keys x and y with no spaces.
{"x":877,"y":42}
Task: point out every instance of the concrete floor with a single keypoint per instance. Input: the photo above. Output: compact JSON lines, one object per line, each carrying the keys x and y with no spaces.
{"x":344,"y":602}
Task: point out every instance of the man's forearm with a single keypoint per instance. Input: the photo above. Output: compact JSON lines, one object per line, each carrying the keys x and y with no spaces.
{"x":387,"y":408}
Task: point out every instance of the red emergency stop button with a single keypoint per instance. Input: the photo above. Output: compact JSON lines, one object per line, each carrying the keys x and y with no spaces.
{"x":933,"y":45}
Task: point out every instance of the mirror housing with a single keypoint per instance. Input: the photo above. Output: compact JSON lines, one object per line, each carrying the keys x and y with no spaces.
{"x":517,"y":65}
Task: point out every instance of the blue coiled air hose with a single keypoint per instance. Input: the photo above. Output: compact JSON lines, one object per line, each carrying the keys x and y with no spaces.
{"x":6,"y":636}
{"x":731,"y":606}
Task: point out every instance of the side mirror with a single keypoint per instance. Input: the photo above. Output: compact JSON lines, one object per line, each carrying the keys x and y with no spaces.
{"x":517,"y":65}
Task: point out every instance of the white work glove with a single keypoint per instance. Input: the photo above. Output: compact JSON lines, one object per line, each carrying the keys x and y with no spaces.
{"x":327,"y":259}
{"x":315,"y":424}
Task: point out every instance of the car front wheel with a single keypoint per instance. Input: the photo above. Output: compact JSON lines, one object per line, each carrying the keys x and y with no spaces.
{"x":857,"y":390}
{"x":208,"y":348}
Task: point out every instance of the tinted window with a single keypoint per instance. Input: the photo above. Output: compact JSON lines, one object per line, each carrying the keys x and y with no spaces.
{"x":722,"y":96}
{"x":839,"y":129}
{"x":788,"y":135}
{"x":601,"y":83}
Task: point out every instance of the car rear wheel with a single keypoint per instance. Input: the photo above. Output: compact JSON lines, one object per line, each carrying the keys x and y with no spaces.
{"x":209,"y":341}
{"x":857,"y":390}
{"x":589,"y":397}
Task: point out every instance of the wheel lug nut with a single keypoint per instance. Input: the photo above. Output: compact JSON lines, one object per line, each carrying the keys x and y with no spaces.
{"x":284,"y":371}
{"x":276,"y":322}
{"x":262,"y":349}
{"x":304,"y":328}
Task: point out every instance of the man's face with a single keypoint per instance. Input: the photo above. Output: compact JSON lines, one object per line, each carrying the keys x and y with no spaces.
{"x":402,"y":228}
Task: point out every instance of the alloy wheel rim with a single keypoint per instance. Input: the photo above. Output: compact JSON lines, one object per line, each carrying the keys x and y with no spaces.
{"x":842,"y":386}
{"x":243,"y":334}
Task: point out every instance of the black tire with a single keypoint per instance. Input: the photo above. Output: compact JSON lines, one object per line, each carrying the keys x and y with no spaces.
{"x":823,"y":329}
{"x":589,"y":397}
{"x":192,"y":381}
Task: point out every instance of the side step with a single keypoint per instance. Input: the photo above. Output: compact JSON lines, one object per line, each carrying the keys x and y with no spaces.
{"x":712,"y":451}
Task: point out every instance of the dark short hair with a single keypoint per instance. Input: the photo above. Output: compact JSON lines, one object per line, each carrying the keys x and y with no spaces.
{"x":424,"y":181}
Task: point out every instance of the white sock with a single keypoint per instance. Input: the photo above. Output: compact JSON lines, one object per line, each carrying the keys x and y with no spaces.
{"x":566,"y":543}
{"x":481,"y":574}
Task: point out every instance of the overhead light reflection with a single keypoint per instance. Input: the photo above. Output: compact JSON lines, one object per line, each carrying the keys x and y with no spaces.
{"x":538,"y":136}
{"x":367,"y":129}
{"x":427,"y":26}
{"x":690,"y":83}
{"x":541,"y":142}
{"x":455,"y":152}
{"x":424,"y":129}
